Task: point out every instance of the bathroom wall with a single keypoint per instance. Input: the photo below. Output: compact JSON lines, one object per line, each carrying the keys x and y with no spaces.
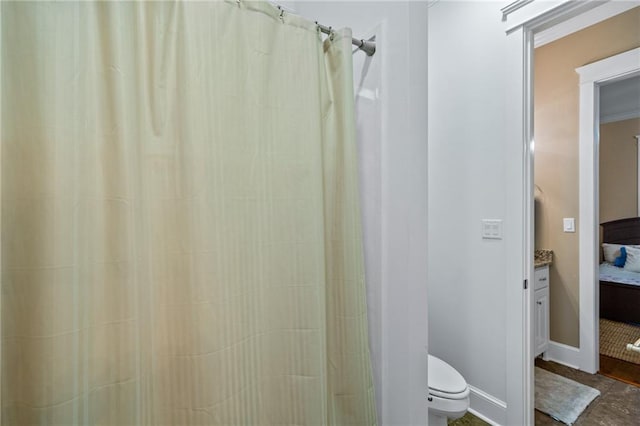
{"x":395,"y":191}
{"x":619,"y":169}
{"x":556,"y":154}
{"x":468,"y":172}
{"x":477,"y":300}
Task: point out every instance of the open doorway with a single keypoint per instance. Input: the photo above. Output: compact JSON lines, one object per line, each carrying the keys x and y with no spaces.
{"x":565,"y":187}
{"x":619,"y":212}
{"x":611,"y":88}
{"x":565,"y":176}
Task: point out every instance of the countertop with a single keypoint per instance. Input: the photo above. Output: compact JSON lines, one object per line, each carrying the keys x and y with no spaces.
{"x":542,"y":257}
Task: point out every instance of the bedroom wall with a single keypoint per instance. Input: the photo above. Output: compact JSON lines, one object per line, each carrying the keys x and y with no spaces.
{"x":618,"y":169}
{"x":556,"y":154}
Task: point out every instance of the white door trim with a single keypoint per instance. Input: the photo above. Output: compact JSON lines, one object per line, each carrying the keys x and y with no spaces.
{"x":638,"y":178}
{"x":591,"y":77}
{"x":530,"y":20}
{"x":519,"y":365}
{"x":584,"y":20}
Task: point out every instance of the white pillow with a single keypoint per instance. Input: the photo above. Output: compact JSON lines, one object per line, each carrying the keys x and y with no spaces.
{"x":633,"y":259}
{"x":611,"y":251}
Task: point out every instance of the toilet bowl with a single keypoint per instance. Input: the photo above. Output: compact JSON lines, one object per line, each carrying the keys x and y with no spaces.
{"x":448,"y":393}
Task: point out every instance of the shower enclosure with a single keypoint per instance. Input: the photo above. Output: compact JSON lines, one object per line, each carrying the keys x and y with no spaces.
{"x":181,"y":229}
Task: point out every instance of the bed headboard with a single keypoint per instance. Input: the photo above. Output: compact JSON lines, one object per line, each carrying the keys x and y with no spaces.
{"x":621,"y":231}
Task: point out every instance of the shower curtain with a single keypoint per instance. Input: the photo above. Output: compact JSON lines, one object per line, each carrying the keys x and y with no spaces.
{"x":181,"y":239}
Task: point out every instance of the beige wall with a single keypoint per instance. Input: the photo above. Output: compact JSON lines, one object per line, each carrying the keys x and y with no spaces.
{"x":619,"y":170}
{"x":556,"y":153}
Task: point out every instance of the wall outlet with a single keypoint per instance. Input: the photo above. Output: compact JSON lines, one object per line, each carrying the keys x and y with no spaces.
{"x":569,"y":224}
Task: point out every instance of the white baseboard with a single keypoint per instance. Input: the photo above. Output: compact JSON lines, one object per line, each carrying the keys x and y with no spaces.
{"x":563,"y":354}
{"x":493,"y":410}
{"x":489,"y":408}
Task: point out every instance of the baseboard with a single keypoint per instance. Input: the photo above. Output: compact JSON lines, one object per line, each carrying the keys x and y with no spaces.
{"x":563,"y":354}
{"x":493,"y":410}
{"x":489,"y":408}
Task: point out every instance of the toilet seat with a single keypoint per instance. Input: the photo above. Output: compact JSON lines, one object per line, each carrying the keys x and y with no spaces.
{"x":444,"y":381}
{"x":453,"y":396}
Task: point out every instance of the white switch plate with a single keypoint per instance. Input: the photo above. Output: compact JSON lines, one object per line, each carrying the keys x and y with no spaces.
{"x":492,"y":229}
{"x":569,"y":224}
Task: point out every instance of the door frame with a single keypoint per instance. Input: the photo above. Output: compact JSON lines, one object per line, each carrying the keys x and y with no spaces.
{"x":530,"y":21}
{"x":592,"y":76}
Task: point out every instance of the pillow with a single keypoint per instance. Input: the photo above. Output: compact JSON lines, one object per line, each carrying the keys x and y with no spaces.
{"x":633,"y":259}
{"x":620,"y":260}
{"x":611,"y":251}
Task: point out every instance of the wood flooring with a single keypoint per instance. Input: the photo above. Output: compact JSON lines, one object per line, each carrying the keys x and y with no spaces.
{"x":620,"y":370}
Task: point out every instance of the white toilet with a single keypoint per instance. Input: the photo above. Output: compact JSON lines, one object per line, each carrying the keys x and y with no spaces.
{"x":448,"y":393}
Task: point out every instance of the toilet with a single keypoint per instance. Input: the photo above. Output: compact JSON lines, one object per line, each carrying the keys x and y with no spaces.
{"x":448,"y":392}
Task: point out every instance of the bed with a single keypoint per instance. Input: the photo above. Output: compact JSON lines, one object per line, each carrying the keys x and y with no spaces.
{"x":620,"y":290}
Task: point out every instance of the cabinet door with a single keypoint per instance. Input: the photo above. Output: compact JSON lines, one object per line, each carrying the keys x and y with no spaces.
{"x":541,"y":320}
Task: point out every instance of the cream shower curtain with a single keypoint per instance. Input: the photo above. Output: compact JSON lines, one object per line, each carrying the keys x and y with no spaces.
{"x":181,"y":240}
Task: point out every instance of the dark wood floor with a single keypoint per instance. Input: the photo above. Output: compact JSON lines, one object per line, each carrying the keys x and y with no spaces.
{"x":618,"y":369}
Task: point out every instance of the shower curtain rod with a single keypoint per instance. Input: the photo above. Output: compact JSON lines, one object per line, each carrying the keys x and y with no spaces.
{"x":367,"y":46}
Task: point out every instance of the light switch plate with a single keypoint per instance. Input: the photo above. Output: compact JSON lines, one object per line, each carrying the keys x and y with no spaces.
{"x":569,"y":224}
{"x":492,"y":229}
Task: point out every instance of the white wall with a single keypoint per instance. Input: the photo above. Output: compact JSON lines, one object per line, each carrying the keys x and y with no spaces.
{"x":471,"y":177}
{"x":466,"y":174}
{"x":398,"y":268}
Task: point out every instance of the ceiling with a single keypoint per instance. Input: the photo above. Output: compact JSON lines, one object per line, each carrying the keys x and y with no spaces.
{"x":620,"y":100}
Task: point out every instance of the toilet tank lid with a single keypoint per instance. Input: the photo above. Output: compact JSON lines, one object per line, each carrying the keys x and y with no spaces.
{"x":444,"y":378}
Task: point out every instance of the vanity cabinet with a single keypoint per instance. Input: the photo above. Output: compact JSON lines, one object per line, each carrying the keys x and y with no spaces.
{"x":541,"y":309}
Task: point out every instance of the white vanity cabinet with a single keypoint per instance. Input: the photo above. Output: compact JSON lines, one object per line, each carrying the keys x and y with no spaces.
{"x":541,"y":309}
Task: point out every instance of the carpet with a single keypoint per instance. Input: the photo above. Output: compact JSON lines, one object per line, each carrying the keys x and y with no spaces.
{"x":614,"y":337}
{"x":561,"y":398}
